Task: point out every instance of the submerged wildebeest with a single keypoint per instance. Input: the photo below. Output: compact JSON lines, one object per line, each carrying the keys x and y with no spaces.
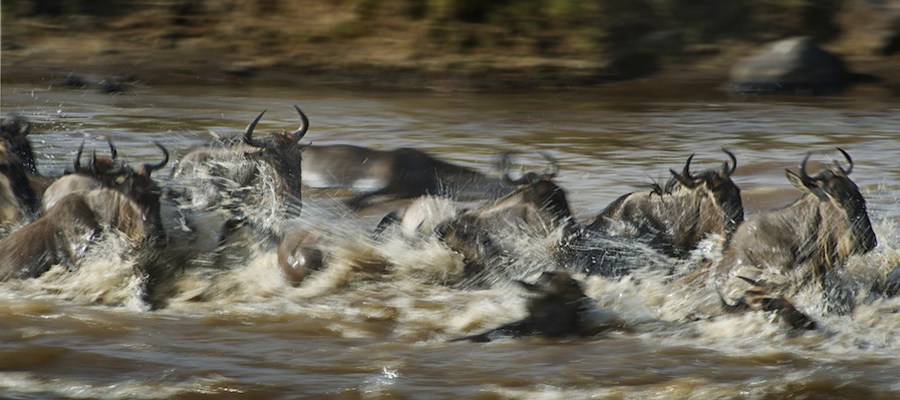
{"x":402,"y":173}
{"x":127,"y":202}
{"x":675,"y":218}
{"x":556,"y":309}
{"x":803,"y":243}
{"x":299,"y":253}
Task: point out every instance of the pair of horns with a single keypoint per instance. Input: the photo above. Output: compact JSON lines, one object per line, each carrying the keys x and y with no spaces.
{"x":297,"y":135}
{"x":728,"y":170}
{"x":805,"y":176}
{"x":114,"y":154}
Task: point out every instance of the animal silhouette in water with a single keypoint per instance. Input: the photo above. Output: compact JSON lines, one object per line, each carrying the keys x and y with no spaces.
{"x":555,"y":310}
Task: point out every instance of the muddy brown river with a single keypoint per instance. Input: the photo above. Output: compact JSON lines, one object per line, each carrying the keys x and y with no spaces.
{"x":243,"y":332}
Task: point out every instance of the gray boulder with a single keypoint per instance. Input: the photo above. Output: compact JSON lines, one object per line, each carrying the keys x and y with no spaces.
{"x":795,"y":65}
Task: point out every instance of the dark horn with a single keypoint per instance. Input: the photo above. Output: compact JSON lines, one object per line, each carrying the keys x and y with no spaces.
{"x":725,"y":168}
{"x":148,"y":168}
{"x":248,"y":133}
{"x":552,"y":167}
{"x":78,"y":156}
{"x":687,"y":168}
{"x":304,"y":125}
{"x":803,"y":175}
{"x":849,"y":160}
{"x":112,"y":149}
{"x":94,"y":167}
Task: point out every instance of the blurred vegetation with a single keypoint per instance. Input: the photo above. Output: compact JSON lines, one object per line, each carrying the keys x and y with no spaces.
{"x":632,"y":37}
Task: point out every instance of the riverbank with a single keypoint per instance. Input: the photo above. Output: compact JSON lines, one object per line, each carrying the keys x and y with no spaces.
{"x":340,"y":43}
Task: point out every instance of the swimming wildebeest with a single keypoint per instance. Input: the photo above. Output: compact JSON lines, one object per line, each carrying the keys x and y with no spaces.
{"x":537,"y":209}
{"x":20,"y":184}
{"x":234,"y":170}
{"x":18,"y":201}
{"x":128,"y":202}
{"x":555,"y":310}
{"x":675,"y":218}
{"x":805,"y":241}
{"x":82,"y":179}
{"x":13,"y":137}
{"x":402,"y":173}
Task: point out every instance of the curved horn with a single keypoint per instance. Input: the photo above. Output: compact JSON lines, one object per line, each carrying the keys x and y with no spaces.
{"x":725,"y":168}
{"x":94,"y":168}
{"x":552,"y":167}
{"x":148,"y":168}
{"x":248,"y":133}
{"x":304,"y":125}
{"x":78,"y":156}
{"x":849,"y":160}
{"x":686,"y":172}
{"x":112,"y":149}
{"x":803,"y":175}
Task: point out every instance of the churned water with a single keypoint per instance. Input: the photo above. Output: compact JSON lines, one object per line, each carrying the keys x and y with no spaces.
{"x":374,"y":323}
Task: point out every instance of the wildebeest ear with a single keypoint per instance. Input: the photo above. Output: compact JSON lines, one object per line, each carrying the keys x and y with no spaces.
{"x":686,"y":182}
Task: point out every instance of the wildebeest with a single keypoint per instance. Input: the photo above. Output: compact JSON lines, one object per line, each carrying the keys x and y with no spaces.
{"x":675,"y":218}
{"x":13,"y":137}
{"x":82,"y":179}
{"x":127,"y":202}
{"x":485,"y":236}
{"x":299,"y":253}
{"x":804,"y":242}
{"x":556,"y":309}
{"x":18,"y":202}
{"x":243,"y":172}
{"x":401,"y":173}
{"x":19,"y":184}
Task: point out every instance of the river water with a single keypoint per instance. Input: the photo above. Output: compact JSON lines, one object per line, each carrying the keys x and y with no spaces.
{"x":350,"y":333}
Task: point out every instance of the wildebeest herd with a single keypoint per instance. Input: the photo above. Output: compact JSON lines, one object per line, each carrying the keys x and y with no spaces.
{"x":233,"y":194}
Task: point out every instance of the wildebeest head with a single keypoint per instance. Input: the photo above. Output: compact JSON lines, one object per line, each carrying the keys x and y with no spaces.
{"x":81,"y":178}
{"x":17,"y":199}
{"x":841,"y":204}
{"x":538,"y":189}
{"x":724,"y":207}
{"x":13,"y":137}
{"x":138,"y":187}
{"x":282,"y":151}
{"x":537,"y":208}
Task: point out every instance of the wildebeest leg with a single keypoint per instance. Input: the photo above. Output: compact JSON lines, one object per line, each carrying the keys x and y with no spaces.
{"x":357,"y":202}
{"x":759,"y":298}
